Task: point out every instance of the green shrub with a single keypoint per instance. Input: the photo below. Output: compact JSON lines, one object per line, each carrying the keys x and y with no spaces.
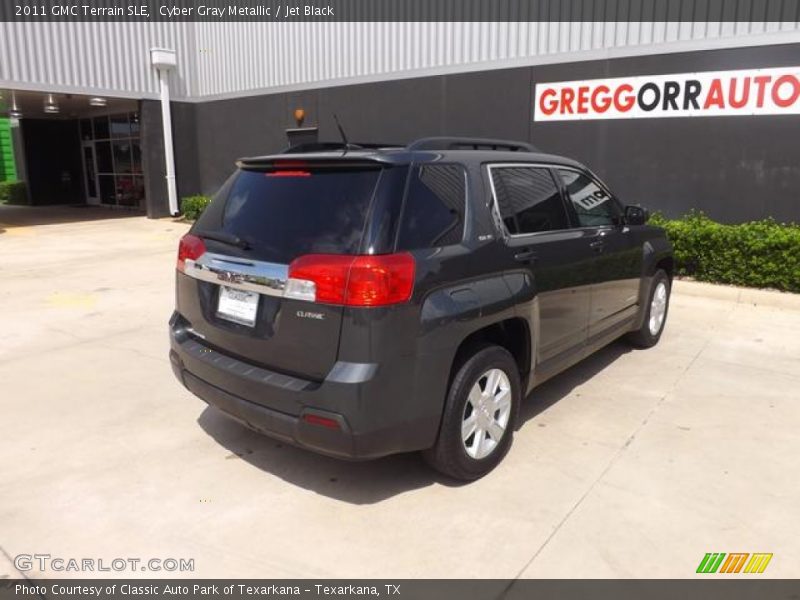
{"x":13,"y":192}
{"x":763,"y":254}
{"x":193,"y":206}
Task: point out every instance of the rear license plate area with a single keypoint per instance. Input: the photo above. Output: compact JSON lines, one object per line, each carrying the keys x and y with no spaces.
{"x":237,"y":306}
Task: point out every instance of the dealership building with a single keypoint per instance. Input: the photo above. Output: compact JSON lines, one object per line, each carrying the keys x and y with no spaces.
{"x":673,"y":115}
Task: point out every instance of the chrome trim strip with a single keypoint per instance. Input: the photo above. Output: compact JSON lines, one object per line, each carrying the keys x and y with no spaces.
{"x":239,"y":273}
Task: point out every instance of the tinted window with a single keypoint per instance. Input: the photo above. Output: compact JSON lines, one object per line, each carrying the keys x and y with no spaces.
{"x":122,"y":157}
{"x":86,"y":129}
{"x":120,"y":126}
{"x":108,"y":191}
{"x":593,"y":205}
{"x":434,"y":207}
{"x":101,"y":131}
{"x":282,"y":217}
{"x":105,"y":163}
{"x":528,"y":199}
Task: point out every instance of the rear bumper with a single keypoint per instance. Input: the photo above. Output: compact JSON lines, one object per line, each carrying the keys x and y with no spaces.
{"x":294,"y":430}
{"x":368,"y":424}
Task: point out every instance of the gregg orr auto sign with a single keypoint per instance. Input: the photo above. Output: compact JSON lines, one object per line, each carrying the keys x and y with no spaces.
{"x":718,"y":93}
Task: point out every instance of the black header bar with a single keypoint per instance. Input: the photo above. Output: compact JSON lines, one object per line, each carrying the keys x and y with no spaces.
{"x":401,"y":10}
{"x":746,"y":587}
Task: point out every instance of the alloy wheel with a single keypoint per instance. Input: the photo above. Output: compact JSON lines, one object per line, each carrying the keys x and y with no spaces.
{"x":486,"y":414}
{"x":658,"y":308}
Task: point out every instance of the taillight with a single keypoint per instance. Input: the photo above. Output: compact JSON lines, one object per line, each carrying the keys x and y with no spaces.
{"x":352,"y":280}
{"x":319,"y":278}
{"x":191,"y":247}
{"x":380,"y":280}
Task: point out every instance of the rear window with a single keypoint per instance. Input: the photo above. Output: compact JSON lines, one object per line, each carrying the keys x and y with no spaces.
{"x":283,"y":215}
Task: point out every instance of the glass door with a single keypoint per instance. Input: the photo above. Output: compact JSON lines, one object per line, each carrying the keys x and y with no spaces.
{"x":90,"y":173}
{"x":113,"y":160}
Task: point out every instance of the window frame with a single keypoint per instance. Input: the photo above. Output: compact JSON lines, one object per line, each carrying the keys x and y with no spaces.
{"x":495,"y":205}
{"x":573,"y":215}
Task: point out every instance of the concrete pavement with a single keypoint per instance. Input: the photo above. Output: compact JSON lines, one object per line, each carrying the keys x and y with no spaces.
{"x":631,"y":464}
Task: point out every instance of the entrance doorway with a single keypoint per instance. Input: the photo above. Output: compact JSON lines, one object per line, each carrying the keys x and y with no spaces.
{"x":90,"y":173}
{"x":78,"y":150}
{"x":112,"y":160}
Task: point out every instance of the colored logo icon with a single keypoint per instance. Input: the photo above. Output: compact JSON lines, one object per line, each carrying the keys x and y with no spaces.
{"x":735,"y":562}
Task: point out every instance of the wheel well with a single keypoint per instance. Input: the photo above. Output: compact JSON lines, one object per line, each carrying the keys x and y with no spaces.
{"x":668,"y":264}
{"x":511,"y":334}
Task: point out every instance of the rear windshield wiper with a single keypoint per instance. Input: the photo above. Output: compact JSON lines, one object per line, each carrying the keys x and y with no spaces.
{"x":226,"y":238}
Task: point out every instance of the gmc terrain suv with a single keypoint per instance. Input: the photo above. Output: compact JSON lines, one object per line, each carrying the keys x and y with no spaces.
{"x":362,"y":301}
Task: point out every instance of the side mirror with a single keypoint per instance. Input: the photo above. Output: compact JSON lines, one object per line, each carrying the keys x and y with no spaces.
{"x":636,"y":215}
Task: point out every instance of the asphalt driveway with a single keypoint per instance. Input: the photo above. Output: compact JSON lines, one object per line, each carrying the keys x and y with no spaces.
{"x":631,"y":464}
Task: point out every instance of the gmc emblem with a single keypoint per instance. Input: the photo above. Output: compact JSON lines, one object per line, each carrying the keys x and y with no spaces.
{"x":230,"y":277}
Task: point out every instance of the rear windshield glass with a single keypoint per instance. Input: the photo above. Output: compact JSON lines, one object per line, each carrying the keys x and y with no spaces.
{"x":283,"y":215}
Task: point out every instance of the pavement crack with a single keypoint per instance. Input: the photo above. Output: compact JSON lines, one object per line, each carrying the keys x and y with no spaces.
{"x":614,"y":459}
{"x":14,"y":566}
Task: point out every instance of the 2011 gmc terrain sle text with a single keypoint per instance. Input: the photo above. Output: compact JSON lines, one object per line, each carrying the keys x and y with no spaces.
{"x":362,"y":301}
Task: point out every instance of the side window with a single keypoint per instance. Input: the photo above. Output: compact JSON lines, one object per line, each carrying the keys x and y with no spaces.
{"x":592,"y":204}
{"x":528,"y":199}
{"x":434,"y":210}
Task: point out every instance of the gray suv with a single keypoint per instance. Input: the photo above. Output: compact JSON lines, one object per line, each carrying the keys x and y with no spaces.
{"x":364,"y":301}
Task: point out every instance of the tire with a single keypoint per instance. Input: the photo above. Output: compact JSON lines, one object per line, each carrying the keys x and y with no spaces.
{"x":655,"y":318}
{"x":471,"y":457}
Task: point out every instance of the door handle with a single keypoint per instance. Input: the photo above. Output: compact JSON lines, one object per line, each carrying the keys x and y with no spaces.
{"x":525,"y":256}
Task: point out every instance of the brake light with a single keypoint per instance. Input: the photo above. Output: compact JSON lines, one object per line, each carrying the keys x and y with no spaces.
{"x":289,"y":173}
{"x":289,"y":168}
{"x":190,"y":247}
{"x":352,"y":280}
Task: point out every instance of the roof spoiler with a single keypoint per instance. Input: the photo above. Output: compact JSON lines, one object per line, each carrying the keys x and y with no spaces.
{"x":469,"y":143}
{"x":309,"y":161}
{"x":311,"y":147}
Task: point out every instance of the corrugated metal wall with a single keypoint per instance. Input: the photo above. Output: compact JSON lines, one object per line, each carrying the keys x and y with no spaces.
{"x":233,"y":57}
{"x":103,"y":57}
{"x":223,"y":58}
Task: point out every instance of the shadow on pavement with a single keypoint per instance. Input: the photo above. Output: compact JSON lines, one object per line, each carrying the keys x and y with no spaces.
{"x":364,"y":482}
{"x":28,"y":216}
{"x":560,"y":386}
{"x":370,"y":482}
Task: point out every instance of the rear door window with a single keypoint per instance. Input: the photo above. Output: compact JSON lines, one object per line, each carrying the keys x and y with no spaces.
{"x":433,"y":214}
{"x":528,"y":199}
{"x":285,"y":214}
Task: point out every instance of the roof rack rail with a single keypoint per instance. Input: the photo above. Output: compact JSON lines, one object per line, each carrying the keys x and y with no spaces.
{"x":469,"y":143}
{"x":310,"y":147}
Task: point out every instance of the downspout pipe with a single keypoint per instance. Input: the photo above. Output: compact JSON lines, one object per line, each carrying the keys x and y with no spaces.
{"x":164,"y":61}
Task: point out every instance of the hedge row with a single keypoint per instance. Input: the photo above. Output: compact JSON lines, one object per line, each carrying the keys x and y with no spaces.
{"x":13,"y":192}
{"x":763,"y":254}
{"x":193,"y":206}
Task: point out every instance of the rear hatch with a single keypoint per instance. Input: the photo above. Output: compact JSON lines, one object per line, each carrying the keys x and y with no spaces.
{"x":264,"y":218}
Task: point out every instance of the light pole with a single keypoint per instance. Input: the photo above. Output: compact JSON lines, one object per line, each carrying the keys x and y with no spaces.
{"x":164,"y":61}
